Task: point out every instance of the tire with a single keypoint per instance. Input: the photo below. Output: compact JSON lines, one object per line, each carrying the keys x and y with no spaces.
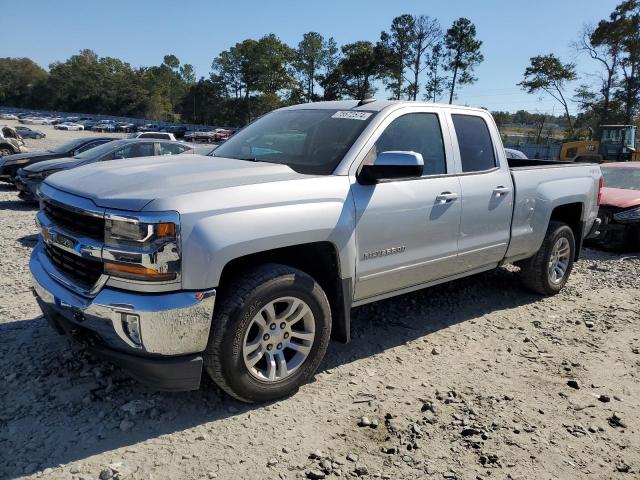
{"x":5,"y":151}
{"x":536,"y":272}
{"x":234,"y":322}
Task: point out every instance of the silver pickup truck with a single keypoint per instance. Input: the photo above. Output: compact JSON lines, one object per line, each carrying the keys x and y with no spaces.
{"x":245,"y":262}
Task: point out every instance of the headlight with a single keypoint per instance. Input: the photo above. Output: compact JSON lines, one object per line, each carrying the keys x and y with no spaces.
{"x":40,"y":175}
{"x":141,"y":250}
{"x":127,"y":230}
{"x":21,"y":161}
{"x":628,"y":215}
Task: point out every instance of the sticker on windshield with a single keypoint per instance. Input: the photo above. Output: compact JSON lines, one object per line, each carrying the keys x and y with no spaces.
{"x":351,"y":115}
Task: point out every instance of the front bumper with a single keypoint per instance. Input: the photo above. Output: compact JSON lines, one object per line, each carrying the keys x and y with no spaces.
{"x":174,"y":327}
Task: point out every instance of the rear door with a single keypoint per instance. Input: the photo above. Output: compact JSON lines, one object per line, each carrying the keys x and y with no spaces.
{"x":487,"y":191}
{"x":407,"y":230}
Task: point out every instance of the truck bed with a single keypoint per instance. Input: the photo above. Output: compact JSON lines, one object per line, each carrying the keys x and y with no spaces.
{"x":539,"y":186}
{"x":516,"y":163}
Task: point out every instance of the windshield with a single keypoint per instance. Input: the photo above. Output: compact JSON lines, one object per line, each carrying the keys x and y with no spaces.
{"x":619,"y":177}
{"x":613,"y":136}
{"x":98,"y":151}
{"x":66,"y":147}
{"x":308,"y":141}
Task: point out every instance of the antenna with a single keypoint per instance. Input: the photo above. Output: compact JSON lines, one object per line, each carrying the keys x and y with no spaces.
{"x":365,"y":101}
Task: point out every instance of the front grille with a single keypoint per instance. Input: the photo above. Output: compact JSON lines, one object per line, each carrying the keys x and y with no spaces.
{"x":83,"y":270}
{"x":76,"y":222}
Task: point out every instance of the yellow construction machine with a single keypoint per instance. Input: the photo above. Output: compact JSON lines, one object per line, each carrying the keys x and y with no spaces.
{"x":616,"y":143}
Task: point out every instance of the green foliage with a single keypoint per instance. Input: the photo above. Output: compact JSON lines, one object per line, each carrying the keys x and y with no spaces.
{"x":435,"y":82}
{"x":20,"y":78}
{"x":549,"y":74}
{"x":463,"y":54}
{"x":255,"y":76}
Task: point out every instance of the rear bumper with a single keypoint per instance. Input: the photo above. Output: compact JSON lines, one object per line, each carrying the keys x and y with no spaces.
{"x":173,"y":327}
{"x":595,"y":229}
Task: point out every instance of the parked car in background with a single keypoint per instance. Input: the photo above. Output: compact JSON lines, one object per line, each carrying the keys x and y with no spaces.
{"x":177,"y":130}
{"x":26,"y":132}
{"x":513,"y":154}
{"x":149,"y":127}
{"x":104,"y":126}
{"x":125,"y":127}
{"x":69,"y":126}
{"x":87,"y":124}
{"x":29,"y":178}
{"x":200,"y":136}
{"x":157,"y":135}
{"x":10,"y":143}
{"x":619,"y":212}
{"x":221,"y":134}
{"x":8,"y":116}
{"x":34,"y":120}
{"x":10,"y":164}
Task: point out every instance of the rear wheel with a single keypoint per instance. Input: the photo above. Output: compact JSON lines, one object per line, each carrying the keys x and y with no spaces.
{"x":269,"y":334}
{"x":548,"y":270}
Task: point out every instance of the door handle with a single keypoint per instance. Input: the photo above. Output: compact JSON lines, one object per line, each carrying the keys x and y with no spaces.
{"x":446,"y":197}
{"x":499,"y":191}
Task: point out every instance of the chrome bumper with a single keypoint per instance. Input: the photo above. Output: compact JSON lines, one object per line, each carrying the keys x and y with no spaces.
{"x":172,"y":323}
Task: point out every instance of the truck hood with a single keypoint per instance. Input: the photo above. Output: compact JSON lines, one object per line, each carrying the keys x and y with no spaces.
{"x":620,"y":197}
{"x":131,"y":184}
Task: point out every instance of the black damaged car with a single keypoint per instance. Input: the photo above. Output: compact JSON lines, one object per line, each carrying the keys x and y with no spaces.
{"x":10,"y":164}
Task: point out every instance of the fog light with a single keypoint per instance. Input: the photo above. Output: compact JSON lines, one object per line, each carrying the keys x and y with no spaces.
{"x":131,"y":326}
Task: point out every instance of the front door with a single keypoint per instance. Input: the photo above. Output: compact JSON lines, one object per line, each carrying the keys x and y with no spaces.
{"x":407,"y":230}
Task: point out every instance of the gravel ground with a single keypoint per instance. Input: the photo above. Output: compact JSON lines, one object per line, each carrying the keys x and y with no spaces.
{"x":478,"y":379}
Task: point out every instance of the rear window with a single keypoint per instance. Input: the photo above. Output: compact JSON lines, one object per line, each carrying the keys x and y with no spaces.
{"x":159,"y":136}
{"x":476,"y":149}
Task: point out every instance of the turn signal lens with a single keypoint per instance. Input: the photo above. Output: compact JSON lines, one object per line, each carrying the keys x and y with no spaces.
{"x":137,"y":272}
{"x":166,"y":230}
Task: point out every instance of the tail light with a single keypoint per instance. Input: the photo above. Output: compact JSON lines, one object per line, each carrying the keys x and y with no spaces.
{"x":600,"y":185}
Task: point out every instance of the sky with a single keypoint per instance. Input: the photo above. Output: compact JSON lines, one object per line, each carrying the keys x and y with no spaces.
{"x":143,"y":31}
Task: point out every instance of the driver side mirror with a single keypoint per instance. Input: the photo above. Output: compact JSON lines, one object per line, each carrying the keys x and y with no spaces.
{"x":392,"y":165}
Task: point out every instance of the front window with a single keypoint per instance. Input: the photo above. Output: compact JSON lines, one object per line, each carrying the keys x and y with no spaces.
{"x":613,"y":136}
{"x":416,"y":132}
{"x":621,"y":177}
{"x":309,"y":141}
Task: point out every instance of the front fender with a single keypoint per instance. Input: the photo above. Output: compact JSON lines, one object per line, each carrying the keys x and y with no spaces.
{"x":215,"y":239}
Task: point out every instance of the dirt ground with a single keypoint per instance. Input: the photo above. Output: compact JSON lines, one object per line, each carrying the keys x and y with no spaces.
{"x":478,"y":379}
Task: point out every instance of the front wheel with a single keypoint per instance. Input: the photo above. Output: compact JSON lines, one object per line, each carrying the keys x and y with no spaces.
{"x":548,"y":270}
{"x":5,"y":151}
{"x":269,"y":334}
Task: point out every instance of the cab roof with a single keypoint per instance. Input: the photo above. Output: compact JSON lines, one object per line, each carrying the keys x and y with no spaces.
{"x":369,"y":106}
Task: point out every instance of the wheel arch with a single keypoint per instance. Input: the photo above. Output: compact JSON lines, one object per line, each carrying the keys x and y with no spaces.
{"x":320,"y":260}
{"x":572,"y":215}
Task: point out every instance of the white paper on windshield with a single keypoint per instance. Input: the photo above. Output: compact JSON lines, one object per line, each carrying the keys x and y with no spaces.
{"x":351,"y":115}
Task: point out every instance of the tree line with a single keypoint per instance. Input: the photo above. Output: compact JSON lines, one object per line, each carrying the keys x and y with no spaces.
{"x":414,"y":59}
